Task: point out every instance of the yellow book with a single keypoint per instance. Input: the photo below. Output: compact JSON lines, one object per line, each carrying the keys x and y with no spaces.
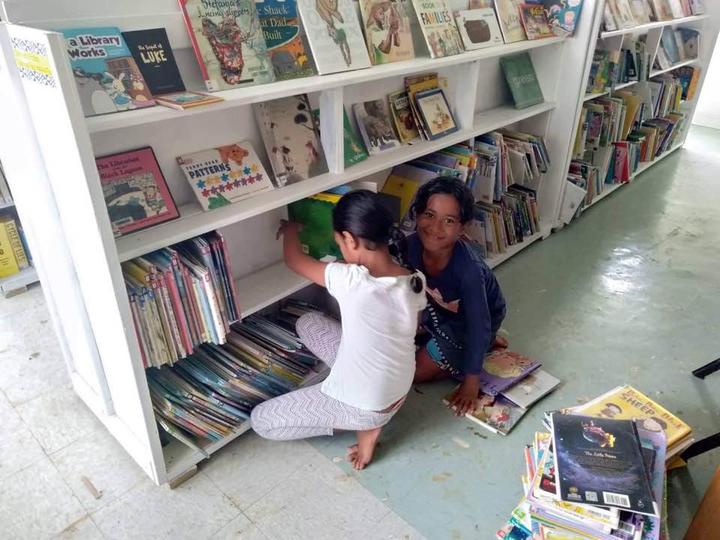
{"x":8,"y":264}
{"x":627,"y":403}
{"x":402,"y":188}
{"x":16,"y":243}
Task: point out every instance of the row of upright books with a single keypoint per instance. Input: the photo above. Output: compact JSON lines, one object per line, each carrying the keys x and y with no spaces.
{"x":240,"y":42}
{"x":625,"y":14}
{"x":598,"y":473}
{"x":677,"y":45}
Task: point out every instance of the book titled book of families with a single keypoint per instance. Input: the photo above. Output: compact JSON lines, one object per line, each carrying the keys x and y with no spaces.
{"x":333,"y":30}
{"x":280,"y":24}
{"x":600,"y":461}
{"x":107,"y":77}
{"x":228,"y":43}
{"x":508,"y":12}
{"x":224,"y":175}
{"x":502,"y":369}
{"x":522,"y":80}
{"x":438,"y":27}
{"x":478,"y":28}
{"x":387,"y":31}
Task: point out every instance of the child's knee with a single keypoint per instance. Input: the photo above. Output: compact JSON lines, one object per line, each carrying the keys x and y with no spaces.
{"x":307,"y":325}
{"x":260,"y":421}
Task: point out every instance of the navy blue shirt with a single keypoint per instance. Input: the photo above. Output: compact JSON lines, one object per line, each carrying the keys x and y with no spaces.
{"x":466,"y":306}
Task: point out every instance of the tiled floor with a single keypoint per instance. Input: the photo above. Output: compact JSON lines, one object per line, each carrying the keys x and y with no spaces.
{"x":630,"y":293}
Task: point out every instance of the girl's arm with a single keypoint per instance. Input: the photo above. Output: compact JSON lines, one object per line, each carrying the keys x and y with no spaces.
{"x":295,"y":259}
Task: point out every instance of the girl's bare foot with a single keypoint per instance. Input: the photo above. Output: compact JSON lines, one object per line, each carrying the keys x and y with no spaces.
{"x":361,"y":454}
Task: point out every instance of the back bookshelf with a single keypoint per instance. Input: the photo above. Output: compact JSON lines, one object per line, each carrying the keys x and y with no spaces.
{"x":80,"y":259}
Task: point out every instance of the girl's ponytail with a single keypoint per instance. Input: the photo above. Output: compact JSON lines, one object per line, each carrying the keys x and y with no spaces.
{"x":398,"y":249}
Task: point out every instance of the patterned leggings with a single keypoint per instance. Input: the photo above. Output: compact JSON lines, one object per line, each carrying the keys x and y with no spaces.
{"x":308,"y":412}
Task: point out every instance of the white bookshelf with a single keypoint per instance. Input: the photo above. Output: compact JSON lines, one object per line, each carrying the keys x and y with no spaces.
{"x":79,"y":258}
{"x":18,"y":282}
{"x":645,"y":28}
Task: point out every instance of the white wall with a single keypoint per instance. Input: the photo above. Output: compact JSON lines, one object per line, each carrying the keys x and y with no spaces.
{"x":708,"y":108}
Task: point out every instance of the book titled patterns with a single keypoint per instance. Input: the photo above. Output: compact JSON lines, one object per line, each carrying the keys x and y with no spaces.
{"x":535,"y":22}
{"x":228,"y":43}
{"x":224,"y":175}
{"x":502,"y":369}
{"x":108,"y":79}
{"x":333,"y":31}
{"x":280,"y":24}
{"x":520,"y":76}
{"x":478,"y":28}
{"x":387,"y":30}
{"x":438,"y":27}
{"x":373,"y":119}
{"x":135,"y":191}
{"x":508,"y":12}
{"x":153,"y":55}
{"x":291,"y":139}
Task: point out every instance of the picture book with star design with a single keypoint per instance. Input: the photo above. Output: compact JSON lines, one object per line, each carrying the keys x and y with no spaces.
{"x":224,"y":175}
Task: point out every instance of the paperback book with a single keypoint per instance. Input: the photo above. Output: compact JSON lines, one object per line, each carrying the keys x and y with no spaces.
{"x":186,"y":100}
{"x":535,"y":21}
{"x":224,"y":175}
{"x":153,"y":55}
{"x":532,"y":388}
{"x":435,"y":113}
{"x":438,"y":27}
{"x":503,"y":369}
{"x":563,"y":15}
{"x":107,"y":78}
{"x":478,"y":28}
{"x":228,"y":43}
{"x":317,"y":236}
{"x":375,"y":125}
{"x":353,"y":149}
{"x":387,"y":31}
{"x":521,"y":78}
{"x":496,"y":414}
{"x":508,"y":13}
{"x":402,"y":117}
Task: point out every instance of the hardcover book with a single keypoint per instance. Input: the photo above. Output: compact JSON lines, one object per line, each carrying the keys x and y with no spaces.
{"x":435,"y":113}
{"x":640,"y":11}
{"x":600,"y":461}
{"x":353,"y":149}
{"x":153,"y":55}
{"x":373,"y":119}
{"x":532,"y":388}
{"x":387,"y":31}
{"x":508,"y":12}
{"x":563,"y":15}
{"x":317,"y":236}
{"x":107,"y":77}
{"x":402,"y":117}
{"x":334,"y":34}
{"x":441,"y":34}
{"x":495,"y":413}
{"x":280,"y":24}
{"x":535,"y":22}
{"x":228,"y":43}
{"x":623,"y":14}
{"x":502,"y":369}
{"x":291,"y":139}
{"x":224,"y":175}
{"x":520,"y":76}
{"x":478,"y":28}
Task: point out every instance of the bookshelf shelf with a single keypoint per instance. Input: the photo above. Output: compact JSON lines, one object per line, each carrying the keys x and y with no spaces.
{"x":642,"y":28}
{"x":18,"y":281}
{"x":4,"y":205}
{"x":689,"y":62}
{"x":267,"y":92}
{"x":645,"y":166}
{"x":608,"y":189}
{"x":194,"y":221}
{"x":624,"y":85}
{"x":589,"y":97}
{"x":267,"y":286}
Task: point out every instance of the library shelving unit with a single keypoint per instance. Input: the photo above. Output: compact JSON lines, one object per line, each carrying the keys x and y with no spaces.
{"x":708,"y":24}
{"x":79,"y":260}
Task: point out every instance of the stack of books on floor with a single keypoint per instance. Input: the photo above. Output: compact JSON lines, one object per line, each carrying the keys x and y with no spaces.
{"x":206,"y":396}
{"x":510,"y":384}
{"x":599,"y":473}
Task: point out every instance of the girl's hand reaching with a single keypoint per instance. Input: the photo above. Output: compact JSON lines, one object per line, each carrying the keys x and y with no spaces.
{"x":288,"y":228}
{"x":464,"y":399}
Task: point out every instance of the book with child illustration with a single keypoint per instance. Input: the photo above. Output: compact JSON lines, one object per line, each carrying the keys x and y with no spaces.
{"x":375,"y":125}
{"x":502,"y":369}
{"x":496,"y":414}
{"x":532,"y":388}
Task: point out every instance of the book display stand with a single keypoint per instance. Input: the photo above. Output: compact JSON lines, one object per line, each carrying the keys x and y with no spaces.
{"x":53,"y":147}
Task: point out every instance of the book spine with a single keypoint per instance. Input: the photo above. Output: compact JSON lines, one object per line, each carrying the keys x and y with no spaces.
{"x":231,"y":280}
{"x":178,"y":311}
{"x":8,"y":264}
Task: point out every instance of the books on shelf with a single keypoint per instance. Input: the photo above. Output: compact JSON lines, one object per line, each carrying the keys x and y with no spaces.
{"x":508,"y":14}
{"x":333,"y":31}
{"x":438,"y":28}
{"x":228,"y":43}
{"x":386,"y":24}
{"x":317,"y":236}
{"x":520,"y":76}
{"x":535,"y":21}
{"x":403,"y":118}
{"x":434,"y":111}
{"x":563,"y":16}
{"x":6,"y":197}
{"x":107,"y":78}
{"x":155,"y":59}
{"x":13,"y":255}
{"x":478,"y":28}
{"x":186,"y":100}
{"x":224,"y":175}
{"x":375,"y":125}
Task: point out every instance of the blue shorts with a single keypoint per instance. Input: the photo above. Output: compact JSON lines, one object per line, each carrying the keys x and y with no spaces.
{"x":448,"y":359}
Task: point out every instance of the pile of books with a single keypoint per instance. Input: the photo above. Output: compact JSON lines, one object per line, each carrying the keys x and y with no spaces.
{"x":623,"y":14}
{"x":210,"y":393}
{"x":599,"y":473}
{"x":180,"y":297}
{"x":510,"y":384}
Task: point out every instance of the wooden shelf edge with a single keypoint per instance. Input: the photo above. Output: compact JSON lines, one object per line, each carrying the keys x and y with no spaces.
{"x":650,"y":26}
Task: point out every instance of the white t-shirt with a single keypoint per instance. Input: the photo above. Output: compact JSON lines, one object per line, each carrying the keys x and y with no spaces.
{"x":375,"y":363}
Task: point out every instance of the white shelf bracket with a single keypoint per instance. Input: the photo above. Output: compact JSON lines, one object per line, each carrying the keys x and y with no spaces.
{"x":331,"y":128}
{"x":465,"y":94}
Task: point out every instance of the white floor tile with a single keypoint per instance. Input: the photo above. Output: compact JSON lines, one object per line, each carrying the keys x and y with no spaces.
{"x":251,"y":466}
{"x":240,"y":528}
{"x":18,"y":447}
{"x":58,"y":418}
{"x":318,"y":501}
{"x":98,"y":457}
{"x":196,"y":510}
{"x":84,"y":529}
{"x":36,"y":503}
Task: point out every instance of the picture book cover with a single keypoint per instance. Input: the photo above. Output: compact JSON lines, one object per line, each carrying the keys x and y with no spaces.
{"x":502,"y":369}
{"x":107,"y":78}
{"x":609,"y":18}
{"x":532,"y":388}
{"x":508,"y":13}
{"x":661,"y":10}
{"x":353,"y":149}
{"x":623,"y":14}
{"x":333,"y":31}
{"x":478,"y":28}
{"x":280,"y":23}
{"x":690,"y":42}
{"x":521,"y":78}
{"x":654,"y":446}
{"x":535,"y":22}
{"x":402,"y":117}
{"x":135,"y":191}
{"x":291,"y":139}
{"x":387,"y":31}
{"x":435,"y":111}
{"x":373,"y":119}
{"x":628,"y":403}
{"x":563,"y":15}
{"x":8,"y":262}
{"x":317,"y":236}
{"x":224,"y":175}
{"x":186,"y":100}
{"x":495,"y":413}
{"x":228,"y":43}
{"x":640,"y":11}
{"x":153,"y":55}
{"x":438,"y":27}
{"x":600,"y":461}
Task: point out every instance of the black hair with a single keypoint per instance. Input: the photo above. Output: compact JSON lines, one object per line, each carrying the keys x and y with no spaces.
{"x":446,"y":185}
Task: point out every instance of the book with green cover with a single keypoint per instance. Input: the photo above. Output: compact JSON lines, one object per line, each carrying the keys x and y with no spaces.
{"x":317,"y":235}
{"x":353,"y":148}
{"x":522,"y":80}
